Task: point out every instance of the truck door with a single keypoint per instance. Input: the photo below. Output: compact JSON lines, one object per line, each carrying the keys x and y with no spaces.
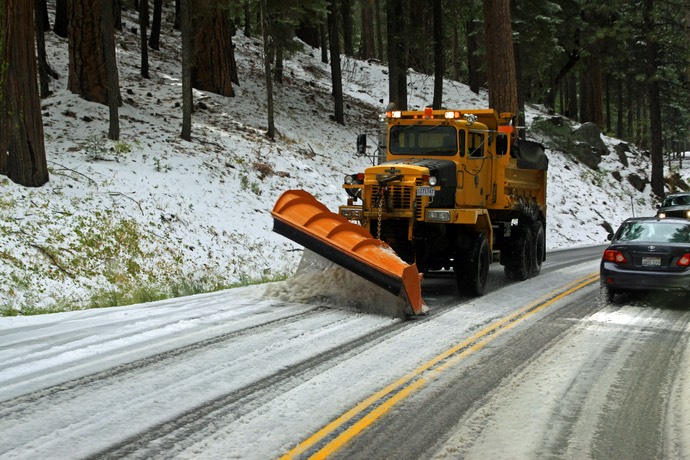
{"x":475,"y":171}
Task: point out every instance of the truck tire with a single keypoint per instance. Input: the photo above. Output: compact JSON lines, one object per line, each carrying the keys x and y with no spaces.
{"x":518,"y":264}
{"x":539,"y":246}
{"x":472,"y":270}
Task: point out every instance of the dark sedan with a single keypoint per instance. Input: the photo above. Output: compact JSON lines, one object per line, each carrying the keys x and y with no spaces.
{"x":648,"y":254}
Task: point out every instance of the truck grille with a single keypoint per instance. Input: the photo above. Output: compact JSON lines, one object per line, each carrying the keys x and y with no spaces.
{"x":400,"y":196}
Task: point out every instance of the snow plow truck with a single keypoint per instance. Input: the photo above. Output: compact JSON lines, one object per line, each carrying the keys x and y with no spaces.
{"x":450,"y":190}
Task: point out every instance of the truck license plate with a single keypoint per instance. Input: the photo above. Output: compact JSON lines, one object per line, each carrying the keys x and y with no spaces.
{"x":426,"y":191}
{"x":651,"y":261}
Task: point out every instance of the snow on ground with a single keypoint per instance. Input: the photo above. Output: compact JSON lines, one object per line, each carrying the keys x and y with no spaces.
{"x":161,"y":216}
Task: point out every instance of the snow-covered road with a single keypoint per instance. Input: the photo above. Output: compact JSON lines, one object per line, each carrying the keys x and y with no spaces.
{"x":238,"y":374}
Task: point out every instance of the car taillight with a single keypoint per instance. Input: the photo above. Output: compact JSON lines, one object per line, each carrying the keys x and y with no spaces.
{"x":615,"y":256}
{"x":684,"y":261}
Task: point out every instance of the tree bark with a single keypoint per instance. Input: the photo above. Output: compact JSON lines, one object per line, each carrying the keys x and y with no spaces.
{"x":346,"y":14}
{"x":112,"y":81}
{"x":438,"y":54}
{"x":593,"y":88}
{"x":473,"y":74}
{"x":143,"y":25}
{"x":500,"y":59}
{"x":43,"y":78}
{"x":117,"y":14}
{"x":397,"y":65}
{"x":247,"y":21}
{"x":323,"y":38}
{"x":154,"y":39}
{"x":87,"y":58}
{"x":187,"y":100}
{"x":265,"y":32}
{"x":213,"y":51}
{"x":22,"y":149}
{"x":653,"y":94}
{"x":41,"y":9}
{"x":367,"y":49}
{"x":379,"y":30}
{"x":178,"y":14}
{"x":336,"y":74}
{"x":60,"y":26}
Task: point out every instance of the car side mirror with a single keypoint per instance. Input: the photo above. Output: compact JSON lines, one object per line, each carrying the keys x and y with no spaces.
{"x":361,"y":144}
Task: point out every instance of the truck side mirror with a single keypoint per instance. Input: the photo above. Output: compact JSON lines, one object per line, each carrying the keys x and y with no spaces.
{"x":361,"y":144}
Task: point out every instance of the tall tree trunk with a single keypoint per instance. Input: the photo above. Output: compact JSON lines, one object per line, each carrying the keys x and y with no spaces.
{"x":247,"y":20}
{"x":367,"y":49}
{"x":87,"y":58}
{"x":620,"y":133}
{"x":593,"y":89}
{"x":177,"y":25}
{"x":185,"y":24}
{"x":323,"y":38}
{"x":265,"y":33}
{"x":43,"y":77}
{"x":379,"y":30}
{"x":583,"y":93}
{"x":455,"y":55}
{"x":112,"y":81}
{"x":212,"y":47}
{"x":41,"y":9}
{"x":20,"y":118}
{"x":629,"y":107}
{"x":397,"y":65}
{"x":653,"y":94}
{"x":473,"y":74}
{"x":607,"y":101}
{"x":278,"y":68}
{"x":60,"y":27}
{"x":571,"y":88}
{"x":346,"y":14}
{"x":143,"y":25}
{"x":336,"y":74}
{"x":154,"y":39}
{"x":117,"y":14}
{"x":438,"y":54}
{"x":503,"y":93}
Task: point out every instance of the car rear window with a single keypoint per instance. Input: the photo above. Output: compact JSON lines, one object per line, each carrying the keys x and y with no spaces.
{"x":655,"y":231}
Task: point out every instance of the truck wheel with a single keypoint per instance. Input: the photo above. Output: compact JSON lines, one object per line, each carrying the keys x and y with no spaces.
{"x":539,"y":239}
{"x":471,"y":272}
{"x":518,"y":265}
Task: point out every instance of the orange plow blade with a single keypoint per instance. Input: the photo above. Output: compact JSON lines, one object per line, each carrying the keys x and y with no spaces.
{"x":300,"y":217}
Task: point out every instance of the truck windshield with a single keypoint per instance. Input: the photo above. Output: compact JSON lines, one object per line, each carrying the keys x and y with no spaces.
{"x":423,"y":140}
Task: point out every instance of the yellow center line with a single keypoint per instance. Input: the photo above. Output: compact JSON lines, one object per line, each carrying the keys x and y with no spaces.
{"x":405,"y":388}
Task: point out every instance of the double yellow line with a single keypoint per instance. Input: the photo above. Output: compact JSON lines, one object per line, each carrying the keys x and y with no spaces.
{"x":374,"y":407}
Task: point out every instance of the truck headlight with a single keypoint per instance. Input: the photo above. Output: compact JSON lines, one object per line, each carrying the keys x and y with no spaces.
{"x":438,"y":216}
{"x":661,"y":215}
{"x":349,"y":180}
{"x":433,"y":181}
